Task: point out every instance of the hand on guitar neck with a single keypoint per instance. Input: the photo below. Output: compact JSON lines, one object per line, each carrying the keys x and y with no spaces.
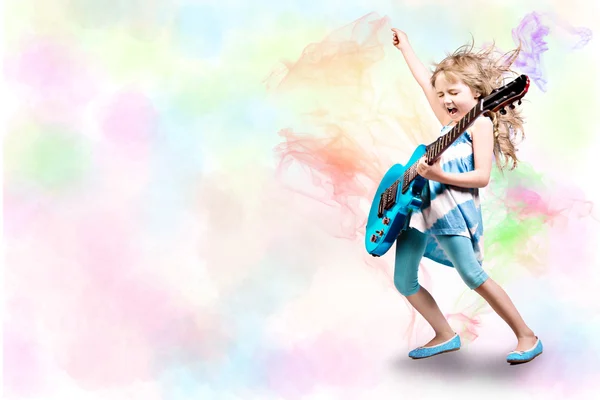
{"x":432,"y":172}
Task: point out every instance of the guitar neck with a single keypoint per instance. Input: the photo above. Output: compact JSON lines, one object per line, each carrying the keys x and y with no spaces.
{"x":435,"y":149}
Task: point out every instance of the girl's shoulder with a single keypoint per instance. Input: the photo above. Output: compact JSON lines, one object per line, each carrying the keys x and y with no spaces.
{"x":481,"y":124}
{"x":483,"y":120}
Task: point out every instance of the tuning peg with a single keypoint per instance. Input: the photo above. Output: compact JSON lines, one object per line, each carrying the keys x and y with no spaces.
{"x":502,"y":111}
{"x":511,"y":106}
{"x":519,"y":102}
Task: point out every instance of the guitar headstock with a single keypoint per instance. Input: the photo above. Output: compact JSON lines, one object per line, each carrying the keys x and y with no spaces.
{"x":506,"y":95}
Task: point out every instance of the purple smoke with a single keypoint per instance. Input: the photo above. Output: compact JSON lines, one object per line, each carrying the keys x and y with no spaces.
{"x":530,"y":33}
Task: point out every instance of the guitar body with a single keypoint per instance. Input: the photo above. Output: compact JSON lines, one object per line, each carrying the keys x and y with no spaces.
{"x":383,"y":228}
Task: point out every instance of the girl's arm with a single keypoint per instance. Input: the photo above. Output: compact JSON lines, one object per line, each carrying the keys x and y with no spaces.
{"x":421,"y":75}
{"x":482,"y":133}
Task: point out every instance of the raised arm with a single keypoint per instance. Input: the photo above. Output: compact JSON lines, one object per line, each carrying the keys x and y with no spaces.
{"x":421,"y":75}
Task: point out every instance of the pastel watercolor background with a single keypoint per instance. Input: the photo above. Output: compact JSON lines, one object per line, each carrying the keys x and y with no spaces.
{"x":186,"y":186}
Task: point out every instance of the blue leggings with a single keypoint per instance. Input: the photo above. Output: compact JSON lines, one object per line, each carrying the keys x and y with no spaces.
{"x":410,"y":247}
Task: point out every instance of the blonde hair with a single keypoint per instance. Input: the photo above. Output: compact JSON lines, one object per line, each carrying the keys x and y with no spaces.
{"x":483,"y":72}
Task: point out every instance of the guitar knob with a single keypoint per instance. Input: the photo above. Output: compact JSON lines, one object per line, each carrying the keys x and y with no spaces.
{"x":519,"y":102}
{"x":386,"y":221}
{"x":380,"y":233}
{"x":374,"y":238}
{"x":512,"y":106}
{"x":502,"y":111}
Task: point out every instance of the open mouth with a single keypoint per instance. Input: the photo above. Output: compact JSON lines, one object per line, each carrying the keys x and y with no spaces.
{"x":452,"y":111}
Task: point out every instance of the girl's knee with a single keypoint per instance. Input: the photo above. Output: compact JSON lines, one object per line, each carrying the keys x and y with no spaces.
{"x":473,"y":281}
{"x":406,"y":288}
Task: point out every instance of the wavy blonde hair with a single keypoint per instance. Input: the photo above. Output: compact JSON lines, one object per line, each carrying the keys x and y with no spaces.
{"x":484,"y":71}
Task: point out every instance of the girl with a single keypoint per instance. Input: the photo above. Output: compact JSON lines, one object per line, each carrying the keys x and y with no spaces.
{"x":448,"y":228}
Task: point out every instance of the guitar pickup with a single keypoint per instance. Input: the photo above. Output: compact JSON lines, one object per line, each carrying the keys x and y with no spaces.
{"x":381,"y":206}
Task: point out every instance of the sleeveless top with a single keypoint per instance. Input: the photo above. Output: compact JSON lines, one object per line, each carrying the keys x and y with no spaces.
{"x":451,"y":210}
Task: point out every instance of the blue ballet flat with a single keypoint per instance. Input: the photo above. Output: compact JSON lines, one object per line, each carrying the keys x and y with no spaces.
{"x":424,"y":352}
{"x":520,"y":357}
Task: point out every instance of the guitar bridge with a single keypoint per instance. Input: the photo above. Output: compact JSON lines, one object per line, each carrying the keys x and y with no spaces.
{"x":405,"y":185}
{"x":381,"y":207}
{"x":391,"y":194}
{"x":388,"y":199}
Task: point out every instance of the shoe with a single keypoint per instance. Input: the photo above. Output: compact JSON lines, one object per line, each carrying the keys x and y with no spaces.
{"x":520,"y":357}
{"x":424,"y":352}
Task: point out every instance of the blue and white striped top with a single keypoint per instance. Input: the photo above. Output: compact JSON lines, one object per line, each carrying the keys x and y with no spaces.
{"x":451,"y":210}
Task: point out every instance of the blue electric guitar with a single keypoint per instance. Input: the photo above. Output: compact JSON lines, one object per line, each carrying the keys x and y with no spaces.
{"x":399,"y":192}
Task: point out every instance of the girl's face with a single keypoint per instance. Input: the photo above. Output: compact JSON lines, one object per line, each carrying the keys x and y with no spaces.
{"x":456,"y":97}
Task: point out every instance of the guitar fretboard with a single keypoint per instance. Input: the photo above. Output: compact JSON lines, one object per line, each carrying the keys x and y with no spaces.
{"x":435,"y":149}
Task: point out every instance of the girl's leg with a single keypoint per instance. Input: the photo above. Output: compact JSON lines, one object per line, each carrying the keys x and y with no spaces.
{"x":410,"y":247}
{"x":504,"y":307}
{"x":460,"y":251}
